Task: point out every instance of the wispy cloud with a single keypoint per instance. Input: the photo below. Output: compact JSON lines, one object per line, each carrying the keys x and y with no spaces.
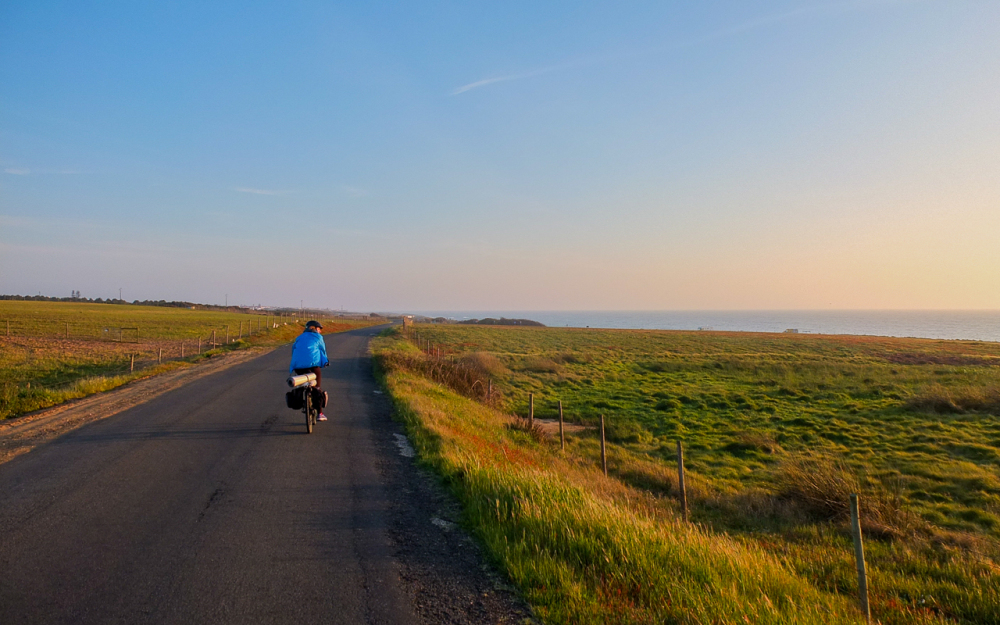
{"x":496,"y":79}
{"x":17,"y":171}
{"x":749,"y":25}
{"x":259,"y":191}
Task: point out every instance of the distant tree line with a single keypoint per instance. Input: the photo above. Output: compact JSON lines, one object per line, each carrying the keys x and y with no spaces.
{"x":76,"y":298}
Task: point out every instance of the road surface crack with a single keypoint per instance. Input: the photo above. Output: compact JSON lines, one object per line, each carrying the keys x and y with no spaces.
{"x":216,"y":495}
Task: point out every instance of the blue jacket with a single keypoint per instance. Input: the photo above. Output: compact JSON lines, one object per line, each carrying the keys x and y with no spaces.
{"x":308,"y":351}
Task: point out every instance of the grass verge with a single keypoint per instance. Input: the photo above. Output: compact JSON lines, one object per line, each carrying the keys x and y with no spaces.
{"x":584,"y":548}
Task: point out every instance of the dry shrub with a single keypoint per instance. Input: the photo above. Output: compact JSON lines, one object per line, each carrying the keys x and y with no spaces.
{"x":939,"y":399}
{"x":572,"y":358}
{"x":755,"y":507}
{"x":532,"y":429}
{"x":755,"y":441}
{"x":469,"y":379}
{"x":964,"y":541}
{"x":484,"y":362}
{"x":822,"y":488}
{"x":649,"y":476}
{"x":538,"y":364}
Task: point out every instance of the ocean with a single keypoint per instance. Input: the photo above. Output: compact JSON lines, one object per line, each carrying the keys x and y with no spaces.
{"x":978,"y":325}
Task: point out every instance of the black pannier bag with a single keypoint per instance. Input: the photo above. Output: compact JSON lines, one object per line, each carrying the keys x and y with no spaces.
{"x":293,"y":399}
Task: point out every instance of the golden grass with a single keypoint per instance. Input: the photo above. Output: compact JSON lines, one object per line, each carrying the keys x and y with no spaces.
{"x":590,"y":549}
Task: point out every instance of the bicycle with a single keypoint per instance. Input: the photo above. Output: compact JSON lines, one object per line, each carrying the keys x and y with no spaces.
{"x":301,"y":396}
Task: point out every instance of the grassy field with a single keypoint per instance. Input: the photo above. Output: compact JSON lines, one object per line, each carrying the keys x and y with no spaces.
{"x":778,"y":430}
{"x":41,"y":366}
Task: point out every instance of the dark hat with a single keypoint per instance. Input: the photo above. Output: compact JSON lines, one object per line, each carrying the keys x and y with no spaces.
{"x":314,"y":324}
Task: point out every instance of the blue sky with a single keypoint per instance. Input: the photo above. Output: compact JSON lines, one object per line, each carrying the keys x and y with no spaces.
{"x":518,"y":155}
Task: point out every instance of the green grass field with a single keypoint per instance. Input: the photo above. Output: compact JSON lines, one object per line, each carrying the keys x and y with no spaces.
{"x":102,"y":321}
{"x":778,"y":430}
{"x":42,"y":365}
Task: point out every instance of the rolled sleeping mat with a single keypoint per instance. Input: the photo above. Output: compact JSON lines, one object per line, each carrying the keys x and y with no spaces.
{"x":299,"y":380}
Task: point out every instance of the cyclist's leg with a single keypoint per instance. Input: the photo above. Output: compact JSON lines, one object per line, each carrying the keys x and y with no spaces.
{"x":319,"y":396}
{"x":317,"y":392}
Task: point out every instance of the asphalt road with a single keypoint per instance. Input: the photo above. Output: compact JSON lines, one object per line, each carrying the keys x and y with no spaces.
{"x":210,"y":504}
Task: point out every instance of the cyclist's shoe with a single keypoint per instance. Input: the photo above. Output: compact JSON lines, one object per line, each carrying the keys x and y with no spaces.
{"x":321,"y":417}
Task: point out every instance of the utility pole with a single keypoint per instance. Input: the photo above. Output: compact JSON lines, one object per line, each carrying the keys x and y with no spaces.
{"x":119,"y":294}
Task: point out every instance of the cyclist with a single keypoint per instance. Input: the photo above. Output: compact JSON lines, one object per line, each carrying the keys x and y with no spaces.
{"x":308,"y":355}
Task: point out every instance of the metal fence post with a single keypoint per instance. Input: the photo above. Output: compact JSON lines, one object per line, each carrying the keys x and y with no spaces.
{"x":562,"y":435}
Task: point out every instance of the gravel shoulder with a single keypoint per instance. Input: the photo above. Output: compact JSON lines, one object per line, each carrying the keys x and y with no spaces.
{"x":444,"y":570}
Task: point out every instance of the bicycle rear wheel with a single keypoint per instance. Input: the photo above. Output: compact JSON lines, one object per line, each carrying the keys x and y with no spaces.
{"x":308,"y":410}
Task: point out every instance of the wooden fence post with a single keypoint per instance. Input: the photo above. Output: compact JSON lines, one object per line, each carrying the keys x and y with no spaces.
{"x":131,"y":364}
{"x":489,"y":389}
{"x":681,"y":486}
{"x":562,"y":435}
{"x":227,"y":335}
{"x":859,"y":557}
{"x":159,"y":356}
{"x":531,"y":410}
{"x":199,"y":344}
{"x":182,"y":349}
{"x":604,"y":454}
{"x":67,"y":330}
{"x":213,"y":339}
